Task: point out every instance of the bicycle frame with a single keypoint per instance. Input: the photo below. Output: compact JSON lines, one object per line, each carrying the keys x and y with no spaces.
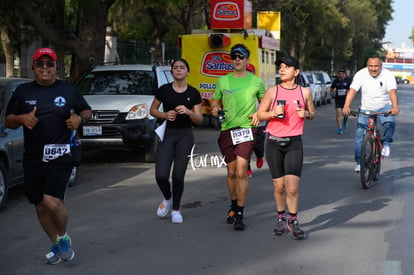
{"x":371,"y":149}
{"x":375,"y":135}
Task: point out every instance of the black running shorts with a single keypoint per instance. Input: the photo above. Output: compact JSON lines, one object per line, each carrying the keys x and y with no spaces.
{"x":49,"y":178}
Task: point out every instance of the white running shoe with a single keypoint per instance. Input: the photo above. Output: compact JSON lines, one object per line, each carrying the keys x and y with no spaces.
{"x":357,"y":168}
{"x":385,"y":151}
{"x":176,"y":217}
{"x":164,"y":208}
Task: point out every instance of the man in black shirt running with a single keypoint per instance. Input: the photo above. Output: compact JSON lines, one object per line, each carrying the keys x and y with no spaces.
{"x":50,"y":111}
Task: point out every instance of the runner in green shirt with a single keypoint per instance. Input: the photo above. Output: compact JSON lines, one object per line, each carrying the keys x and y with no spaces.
{"x":236,"y":94}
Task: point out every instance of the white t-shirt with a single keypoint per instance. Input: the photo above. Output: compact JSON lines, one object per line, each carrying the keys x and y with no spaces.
{"x":374,"y":91}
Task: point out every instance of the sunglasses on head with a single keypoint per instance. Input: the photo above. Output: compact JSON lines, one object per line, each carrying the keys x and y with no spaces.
{"x":41,"y":64}
{"x":234,"y":56}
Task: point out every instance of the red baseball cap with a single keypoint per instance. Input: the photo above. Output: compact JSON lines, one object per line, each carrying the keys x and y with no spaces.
{"x":44,"y":51}
{"x":251,"y":68}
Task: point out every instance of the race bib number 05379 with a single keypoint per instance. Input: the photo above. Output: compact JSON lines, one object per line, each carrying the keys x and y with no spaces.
{"x":241,"y":135}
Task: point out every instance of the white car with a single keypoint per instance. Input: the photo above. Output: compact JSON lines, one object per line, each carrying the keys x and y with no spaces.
{"x":315,"y":87}
{"x":325,"y":83}
{"x":121,"y":97}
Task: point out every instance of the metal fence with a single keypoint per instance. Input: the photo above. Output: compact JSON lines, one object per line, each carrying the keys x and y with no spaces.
{"x":128,"y":52}
{"x":131,"y":52}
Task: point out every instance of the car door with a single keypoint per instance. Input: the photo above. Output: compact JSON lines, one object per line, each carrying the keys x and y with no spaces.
{"x":11,"y":140}
{"x":16,"y":141}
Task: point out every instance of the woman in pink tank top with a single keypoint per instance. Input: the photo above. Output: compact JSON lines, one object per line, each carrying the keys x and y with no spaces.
{"x":286,"y":106}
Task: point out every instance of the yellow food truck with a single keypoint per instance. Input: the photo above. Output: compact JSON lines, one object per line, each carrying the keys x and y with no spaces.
{"x":208,"y":51}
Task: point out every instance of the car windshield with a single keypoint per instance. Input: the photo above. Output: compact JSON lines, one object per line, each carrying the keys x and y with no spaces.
{"x":118,"y":83}
{"x":320,"y":78}
{"x":310,"y":78}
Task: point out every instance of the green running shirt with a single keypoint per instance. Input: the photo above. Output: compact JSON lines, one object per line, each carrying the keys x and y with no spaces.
{"x":239,"y":96}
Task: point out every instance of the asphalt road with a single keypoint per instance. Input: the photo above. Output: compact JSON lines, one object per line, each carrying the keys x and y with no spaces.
{"x":115,"y":230}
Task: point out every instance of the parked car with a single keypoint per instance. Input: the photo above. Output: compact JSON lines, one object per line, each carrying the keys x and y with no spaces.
{"x":12,"y":144}
{"x":304,"y":81}
{"x":400,"y":80}
{"x":315,"y":87}
{"x":326,"y":95}
{"x":120,"y":97}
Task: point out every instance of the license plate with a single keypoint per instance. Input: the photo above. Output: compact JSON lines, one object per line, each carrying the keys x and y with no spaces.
{"x":92,"y":130}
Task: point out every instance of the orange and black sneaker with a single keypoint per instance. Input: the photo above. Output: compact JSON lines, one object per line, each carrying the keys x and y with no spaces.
{"x":230,"y":216}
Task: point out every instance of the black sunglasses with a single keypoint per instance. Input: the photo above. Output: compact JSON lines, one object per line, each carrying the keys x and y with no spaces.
{"x":49,"y":64}
{"x":234,"y":56}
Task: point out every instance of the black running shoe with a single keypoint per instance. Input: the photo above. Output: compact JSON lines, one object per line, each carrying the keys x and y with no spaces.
{"x":281,"y":227}
{"x":230,"y":216}
{"x":297,"y":231}
{"x":238,"y":222}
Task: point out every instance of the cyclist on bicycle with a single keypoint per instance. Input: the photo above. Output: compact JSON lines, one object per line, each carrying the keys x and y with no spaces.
{"x":378,"y":94}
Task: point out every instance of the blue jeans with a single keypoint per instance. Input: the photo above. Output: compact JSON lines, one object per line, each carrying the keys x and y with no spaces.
{"x":388,"y":127}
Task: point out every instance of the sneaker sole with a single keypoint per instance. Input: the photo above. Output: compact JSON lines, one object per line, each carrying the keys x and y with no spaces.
{"x":280,"y":234}
{"x":162,"y":215}
{"x":296,"y":237}
{"x":53,"y":263}
{"x":239,"y":227}
{"x":70,"y":258}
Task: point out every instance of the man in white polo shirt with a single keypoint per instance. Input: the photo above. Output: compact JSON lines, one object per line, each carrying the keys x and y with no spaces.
{"x":378,"y":94}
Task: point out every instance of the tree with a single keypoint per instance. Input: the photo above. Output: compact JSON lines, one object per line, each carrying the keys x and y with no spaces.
{"x":156,"y":21}
{"x":86,"y":43}
{"x":318,"y":32}
{"x":8,"y":50}
{"x":9,"y":33}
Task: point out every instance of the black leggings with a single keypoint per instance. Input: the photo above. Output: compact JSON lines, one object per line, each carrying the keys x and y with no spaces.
{"x":176,"y":148}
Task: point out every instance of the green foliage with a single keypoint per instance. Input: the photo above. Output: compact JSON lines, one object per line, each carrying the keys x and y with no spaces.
{"x":318,"y":32}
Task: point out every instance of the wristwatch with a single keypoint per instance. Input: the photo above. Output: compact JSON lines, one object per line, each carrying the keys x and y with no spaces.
{"x":83,"y":119}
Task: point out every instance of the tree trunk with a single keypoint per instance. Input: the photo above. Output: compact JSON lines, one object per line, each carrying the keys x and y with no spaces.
{"x":89,"y":46}
{"x":8,"y":51}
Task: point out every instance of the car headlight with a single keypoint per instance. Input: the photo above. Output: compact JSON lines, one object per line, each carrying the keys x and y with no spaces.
{"x":137,"y":112}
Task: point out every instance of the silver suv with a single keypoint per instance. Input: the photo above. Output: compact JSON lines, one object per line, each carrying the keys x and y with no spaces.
{"x":120,"y":97}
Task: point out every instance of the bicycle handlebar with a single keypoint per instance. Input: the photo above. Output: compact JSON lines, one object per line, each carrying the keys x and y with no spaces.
{"x":369,"y":113}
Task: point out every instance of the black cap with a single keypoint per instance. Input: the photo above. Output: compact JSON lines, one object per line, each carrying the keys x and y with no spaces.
{"x":289,"y":61}
{"x":341,"y":71}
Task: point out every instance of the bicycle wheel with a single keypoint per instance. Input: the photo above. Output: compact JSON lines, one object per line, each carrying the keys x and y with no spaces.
{"x":366,"y":161}
{"x":377,"y":161}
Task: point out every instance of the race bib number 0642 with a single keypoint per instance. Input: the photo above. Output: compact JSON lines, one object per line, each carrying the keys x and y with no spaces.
{"x":241,"y":135}
{"x":53,"y":151}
